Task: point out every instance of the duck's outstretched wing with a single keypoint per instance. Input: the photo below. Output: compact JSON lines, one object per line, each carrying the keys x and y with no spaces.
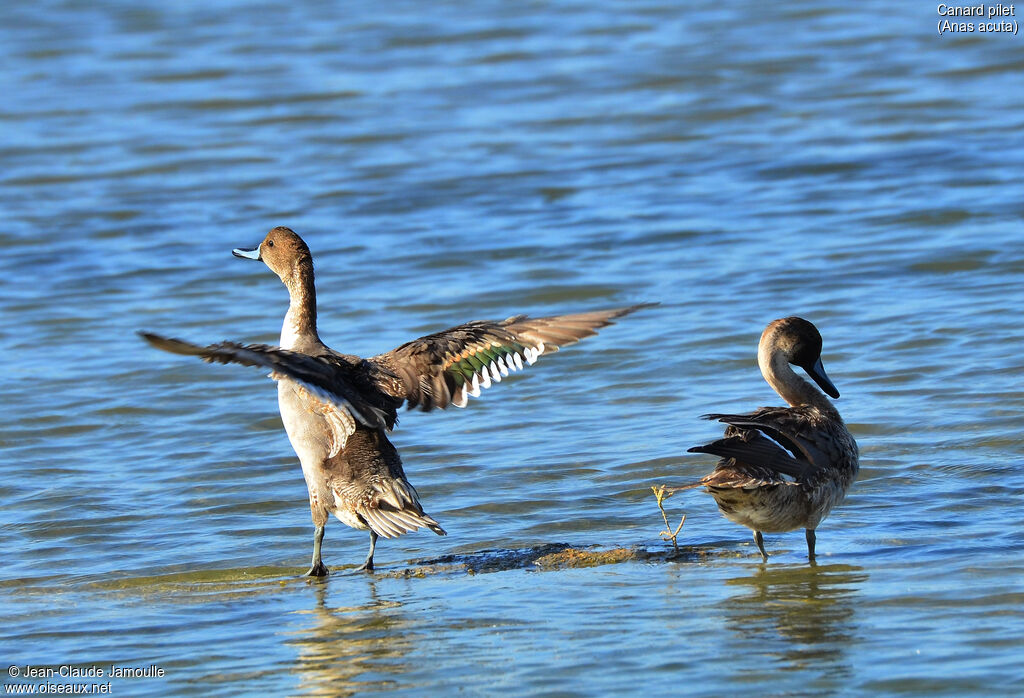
{"x":783,"y":440}
{"x":447,"y":368}
{"x":330,"y":383}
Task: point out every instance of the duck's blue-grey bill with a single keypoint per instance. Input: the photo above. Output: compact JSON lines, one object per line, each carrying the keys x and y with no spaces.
{"x":247,"y":254}
{"x":817,"y":372}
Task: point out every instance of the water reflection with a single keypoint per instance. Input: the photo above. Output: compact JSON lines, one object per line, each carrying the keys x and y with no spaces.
{"x":811,"y":607}
{"x":347,"y":650}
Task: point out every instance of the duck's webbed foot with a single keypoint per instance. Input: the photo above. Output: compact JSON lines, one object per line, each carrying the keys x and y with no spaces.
{"x":318,"y":568}
{"x":368,"y":565}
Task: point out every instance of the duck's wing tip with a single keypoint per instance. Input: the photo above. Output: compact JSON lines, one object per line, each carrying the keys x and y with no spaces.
{"x":171,"y":344}
{"x":449,"y":367}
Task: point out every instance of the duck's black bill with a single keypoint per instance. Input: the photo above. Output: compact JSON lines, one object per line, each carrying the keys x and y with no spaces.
{"x":254,"y":253}
{"x":817,"y":372}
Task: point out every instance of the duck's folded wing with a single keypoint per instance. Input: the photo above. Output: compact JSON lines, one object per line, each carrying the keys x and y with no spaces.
{"x":322,"y":378}
{"x":789,"y":429}
{"x":755,"y":453}
{"x":447,"y":368}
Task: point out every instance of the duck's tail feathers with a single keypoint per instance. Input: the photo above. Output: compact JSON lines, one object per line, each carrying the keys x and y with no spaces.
{"x":394,"y":509}
{"x":391,"y":523}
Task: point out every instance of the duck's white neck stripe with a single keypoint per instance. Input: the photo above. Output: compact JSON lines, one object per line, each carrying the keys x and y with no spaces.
{"x":300,"y":320}
{"x":290,"y":327}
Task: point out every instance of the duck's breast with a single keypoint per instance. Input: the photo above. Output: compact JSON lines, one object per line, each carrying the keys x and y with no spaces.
{"x":308,"y":431}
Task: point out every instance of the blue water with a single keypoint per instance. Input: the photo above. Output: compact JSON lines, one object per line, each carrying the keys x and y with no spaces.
{"x":736,"y":162}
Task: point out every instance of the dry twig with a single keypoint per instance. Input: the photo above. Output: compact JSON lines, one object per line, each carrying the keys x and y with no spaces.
{"x":668,"y":533}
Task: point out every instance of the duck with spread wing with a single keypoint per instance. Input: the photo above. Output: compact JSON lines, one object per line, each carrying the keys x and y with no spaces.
{"x":337,"y":408}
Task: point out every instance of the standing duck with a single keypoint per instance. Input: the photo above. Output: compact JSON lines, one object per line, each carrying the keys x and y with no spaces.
{"x":337,"y":408}
{"x":783,"y":468}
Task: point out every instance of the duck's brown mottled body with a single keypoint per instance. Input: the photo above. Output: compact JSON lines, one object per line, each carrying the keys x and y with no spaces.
{"x":337,"y":408}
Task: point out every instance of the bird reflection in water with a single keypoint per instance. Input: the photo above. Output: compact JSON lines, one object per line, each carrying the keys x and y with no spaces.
{"x":811,"y":607}
{"x":348,"y":650}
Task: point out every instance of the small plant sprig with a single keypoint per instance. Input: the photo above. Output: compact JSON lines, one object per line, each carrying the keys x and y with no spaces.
{"x":668,"y":533}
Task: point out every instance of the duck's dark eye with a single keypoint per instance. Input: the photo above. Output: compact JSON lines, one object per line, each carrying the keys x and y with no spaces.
{"x":270,"y":243}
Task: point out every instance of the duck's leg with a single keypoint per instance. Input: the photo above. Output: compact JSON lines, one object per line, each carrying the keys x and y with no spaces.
{"x":810,"y":542}
{"x":368,"y":565}
{"x":318,"y":568}
{"x":759,"y":539}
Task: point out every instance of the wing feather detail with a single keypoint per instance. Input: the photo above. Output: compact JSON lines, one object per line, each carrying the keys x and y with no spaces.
{"x":449,"y":367}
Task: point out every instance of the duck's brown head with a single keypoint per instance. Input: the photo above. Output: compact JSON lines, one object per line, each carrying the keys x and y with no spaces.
{"x":800,"y":343}
{"x":283,"y":251}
